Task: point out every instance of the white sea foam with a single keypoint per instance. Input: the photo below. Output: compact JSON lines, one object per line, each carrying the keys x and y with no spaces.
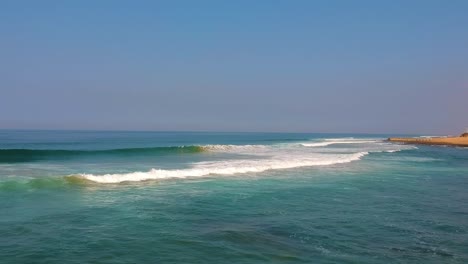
{"x":234,"y":148}
{"x":317,"y":144}
{"x":328,"y":142}
{"x":265,"y":157}
{"x":400,"y":147}
{"x":352,"y":139}
{"x":228,"y":167}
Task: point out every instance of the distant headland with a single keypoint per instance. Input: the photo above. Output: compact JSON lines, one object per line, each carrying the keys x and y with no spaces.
{"x":461,"y":141}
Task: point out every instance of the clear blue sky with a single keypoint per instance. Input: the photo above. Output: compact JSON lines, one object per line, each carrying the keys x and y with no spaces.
{"x":312,"y":66}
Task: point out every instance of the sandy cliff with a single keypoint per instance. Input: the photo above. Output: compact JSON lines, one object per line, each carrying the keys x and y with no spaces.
{"x":462,"y":140}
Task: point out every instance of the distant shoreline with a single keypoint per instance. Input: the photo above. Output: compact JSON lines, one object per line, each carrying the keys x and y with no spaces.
{"x":461,"y":141}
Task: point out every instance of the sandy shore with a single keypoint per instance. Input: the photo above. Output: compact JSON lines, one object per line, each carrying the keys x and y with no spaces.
{"x":450,"y":141}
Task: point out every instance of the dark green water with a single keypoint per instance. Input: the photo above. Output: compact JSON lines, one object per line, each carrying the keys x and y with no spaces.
{"x":297,"y":199}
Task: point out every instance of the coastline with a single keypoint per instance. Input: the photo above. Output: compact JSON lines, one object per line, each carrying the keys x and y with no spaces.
{"x":448,"y":141}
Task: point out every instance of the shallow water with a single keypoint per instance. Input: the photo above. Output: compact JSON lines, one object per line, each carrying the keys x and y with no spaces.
{"x":126,"y":197}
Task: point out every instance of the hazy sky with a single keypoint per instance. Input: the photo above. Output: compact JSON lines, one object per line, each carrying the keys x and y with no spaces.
{"x":311,"y":66}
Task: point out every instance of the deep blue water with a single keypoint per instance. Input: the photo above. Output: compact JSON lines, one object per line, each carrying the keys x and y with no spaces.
{"x":180,"y":197}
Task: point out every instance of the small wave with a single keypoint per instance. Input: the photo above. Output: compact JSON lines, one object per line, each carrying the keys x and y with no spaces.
{"x":41,"y":183}
{"x":225,"y":168}
{"x":352,"y":139}
{"x":27,"y":155}
{"x":337,"y":141}
{"x":235,"y":148}
{"x":283,"y":140}
{"x":318,"y":144}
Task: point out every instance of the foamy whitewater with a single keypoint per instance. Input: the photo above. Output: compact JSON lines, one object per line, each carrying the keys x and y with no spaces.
{"x":183,"y":197}
{"x":271,"y":157}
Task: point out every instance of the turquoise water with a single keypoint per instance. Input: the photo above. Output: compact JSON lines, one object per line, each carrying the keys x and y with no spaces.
{"x":171,"y":197}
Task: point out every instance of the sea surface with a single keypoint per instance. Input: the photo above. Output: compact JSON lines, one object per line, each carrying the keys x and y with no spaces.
{"x":193,"y":197}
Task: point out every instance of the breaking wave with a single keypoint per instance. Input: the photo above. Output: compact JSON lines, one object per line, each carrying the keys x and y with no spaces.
{"x":241,"y":158}
{"x":227,"y":168}
{"x":27,"y":155}
{"x":333,"y":141}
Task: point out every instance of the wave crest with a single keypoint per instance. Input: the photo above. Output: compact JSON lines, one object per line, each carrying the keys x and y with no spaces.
{"x":333,"y":141}
{"x":27,"y":155}
{"x":226,"y":168}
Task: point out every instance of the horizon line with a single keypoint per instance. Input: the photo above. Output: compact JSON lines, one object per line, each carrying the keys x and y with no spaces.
{"x":207,"y":131}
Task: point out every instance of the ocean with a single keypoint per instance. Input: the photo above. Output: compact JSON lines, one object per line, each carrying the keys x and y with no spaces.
{"x":202,"y":197}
